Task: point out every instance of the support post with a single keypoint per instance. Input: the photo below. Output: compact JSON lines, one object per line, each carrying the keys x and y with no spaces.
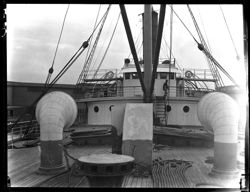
{"x":132,"y":45}
{"x":147,"y":51}
{"x":158,"y":46}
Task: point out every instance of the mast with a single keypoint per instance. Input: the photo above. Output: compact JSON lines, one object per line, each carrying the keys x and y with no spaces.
{"x":147,"y":51}
{"x":152,"y":35}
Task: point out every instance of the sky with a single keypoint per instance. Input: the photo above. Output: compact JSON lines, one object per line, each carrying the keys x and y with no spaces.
{"x":33,"y":31}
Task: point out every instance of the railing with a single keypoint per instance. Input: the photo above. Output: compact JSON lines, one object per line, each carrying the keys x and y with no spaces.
{"x":133,"y":91}
{"x":19,"y":130}
{"x":102,"y":72}
{"x":161,"y":61}
{"x":196,"y":73}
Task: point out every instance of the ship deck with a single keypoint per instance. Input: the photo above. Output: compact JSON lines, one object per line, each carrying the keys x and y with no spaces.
{"x":24,"y":162}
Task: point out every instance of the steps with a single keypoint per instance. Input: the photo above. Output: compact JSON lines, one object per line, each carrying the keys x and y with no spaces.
{"x":159,"y":106}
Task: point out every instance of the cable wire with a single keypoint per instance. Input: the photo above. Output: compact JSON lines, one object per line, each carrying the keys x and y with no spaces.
{"x":107,"y":47}
{"x":52,"y":65}
{"x":237,"y":55}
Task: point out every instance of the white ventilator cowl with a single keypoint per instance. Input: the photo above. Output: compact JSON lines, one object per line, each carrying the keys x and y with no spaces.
{"x":54,"y":112}
{"x":220,"y":113}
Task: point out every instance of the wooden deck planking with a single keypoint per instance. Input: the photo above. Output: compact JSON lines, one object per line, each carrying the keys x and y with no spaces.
{"x":131,"y":181}
{"x":23,"y":163}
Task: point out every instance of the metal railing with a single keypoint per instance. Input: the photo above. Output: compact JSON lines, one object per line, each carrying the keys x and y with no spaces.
{"x":197,"y":73}
{"x":18,"y":131}
{"x":133,"y":91}
{"x":102,"y":72}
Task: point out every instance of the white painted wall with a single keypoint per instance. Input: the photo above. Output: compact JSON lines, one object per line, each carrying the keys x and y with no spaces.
{"x":129,"y":91}
{"x":178,"y":117}
{"x":103,"y":116}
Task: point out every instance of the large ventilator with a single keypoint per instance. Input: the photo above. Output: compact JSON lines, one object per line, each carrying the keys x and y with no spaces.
{"x":55,"y":112}
{"x":219,"y":113}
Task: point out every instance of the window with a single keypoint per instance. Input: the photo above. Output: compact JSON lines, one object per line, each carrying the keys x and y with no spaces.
{"x":11,"y":113}
{"x":96,"y":109}
{"x":186,"y":109}
{"x":93,"y":168}
{"x":156,"y":75}
{"x":109,"y":169}
{"x":168,"y":108}
{"x":134,"y":76}
{"x":127,"y":75}
{"x":110,"y":107}
{"x":163,"y":75}
{"x":171,"y":75}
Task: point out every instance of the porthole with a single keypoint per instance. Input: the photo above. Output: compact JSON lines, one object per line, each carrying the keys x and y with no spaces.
{"x":110,"y":107}
{"x":168,"y":108}
{"x":186,"y":109}
{"x":96,"y":109}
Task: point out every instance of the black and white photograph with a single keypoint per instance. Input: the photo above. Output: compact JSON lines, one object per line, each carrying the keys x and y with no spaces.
{"x":127,"y":96}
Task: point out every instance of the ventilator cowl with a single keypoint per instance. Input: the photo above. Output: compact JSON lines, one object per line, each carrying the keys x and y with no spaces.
{"x":219,"y":113}
{"x":55,"y":112}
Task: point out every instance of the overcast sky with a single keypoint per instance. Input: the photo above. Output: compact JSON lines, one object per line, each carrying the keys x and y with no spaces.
{"x":33,"y":31}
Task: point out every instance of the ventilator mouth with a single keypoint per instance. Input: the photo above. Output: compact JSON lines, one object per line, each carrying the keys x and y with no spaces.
{"x":219,"y":113}
{"x":55,"y":112}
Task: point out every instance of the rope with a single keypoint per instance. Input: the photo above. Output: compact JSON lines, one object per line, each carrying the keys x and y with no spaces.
{"x":209,"y":48}
{"x":170,"y":53}
{"x":216,"y":74}
{"x":237,"y":55}
{"x":86,"y":66}
{"x":65,"y":68}
{"x":78,"y":81}
{"x":51,"y":68}
{"x":107,"y":47}
{"x":184,"y":25}
{"x":136,"y":41}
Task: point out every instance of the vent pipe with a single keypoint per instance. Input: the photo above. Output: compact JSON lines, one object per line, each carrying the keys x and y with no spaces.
{"x":55,"y":112}
{"x":219,"y":113}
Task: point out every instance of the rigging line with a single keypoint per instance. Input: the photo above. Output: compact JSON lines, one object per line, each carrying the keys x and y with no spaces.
{"x":170,"y":54}
{"x":83,"y":70}
{"x":84,"y":45}
{"x":93,"y":29}
{"x":209,"y":48}
{"x":107,"y":47}
{"x":93,"y":67}
{"x":60,"y":35}
{"x":139,"y":50}
{"x":92,"y":38}
{"x":215,"y":72}
{"x":237,"y":55}
{"x":136,"y":41}
{"x":100,"y":22}
{"x":87,"y":65}
{"x":66,"y":67}
{"x":184,"y":25}
{"x":52,"y":65}
{"x":219,"y":66}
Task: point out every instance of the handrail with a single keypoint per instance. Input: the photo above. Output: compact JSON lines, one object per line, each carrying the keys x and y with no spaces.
{"x":131,"y":91}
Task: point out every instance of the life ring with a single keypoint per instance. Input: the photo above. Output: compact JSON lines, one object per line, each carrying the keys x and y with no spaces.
{"x":188,"y":74}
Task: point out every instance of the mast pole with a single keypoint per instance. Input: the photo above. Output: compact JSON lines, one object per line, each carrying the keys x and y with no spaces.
{"x":132,"y":45}
{"x":157,"y":46}
{"x":147,"y":51}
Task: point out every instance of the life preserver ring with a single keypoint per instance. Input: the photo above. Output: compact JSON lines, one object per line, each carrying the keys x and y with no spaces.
{"x":188,"y":74}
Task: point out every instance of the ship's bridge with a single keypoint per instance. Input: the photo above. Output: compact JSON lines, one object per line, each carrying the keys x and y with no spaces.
{"x":166,"y":70}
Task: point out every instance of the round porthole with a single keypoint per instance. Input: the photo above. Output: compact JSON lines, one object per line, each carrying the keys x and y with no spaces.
{"x":168,"y":108}
{"x":96,"y":109}
{"x":110,"y":107}
{"x":186,"y":109}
